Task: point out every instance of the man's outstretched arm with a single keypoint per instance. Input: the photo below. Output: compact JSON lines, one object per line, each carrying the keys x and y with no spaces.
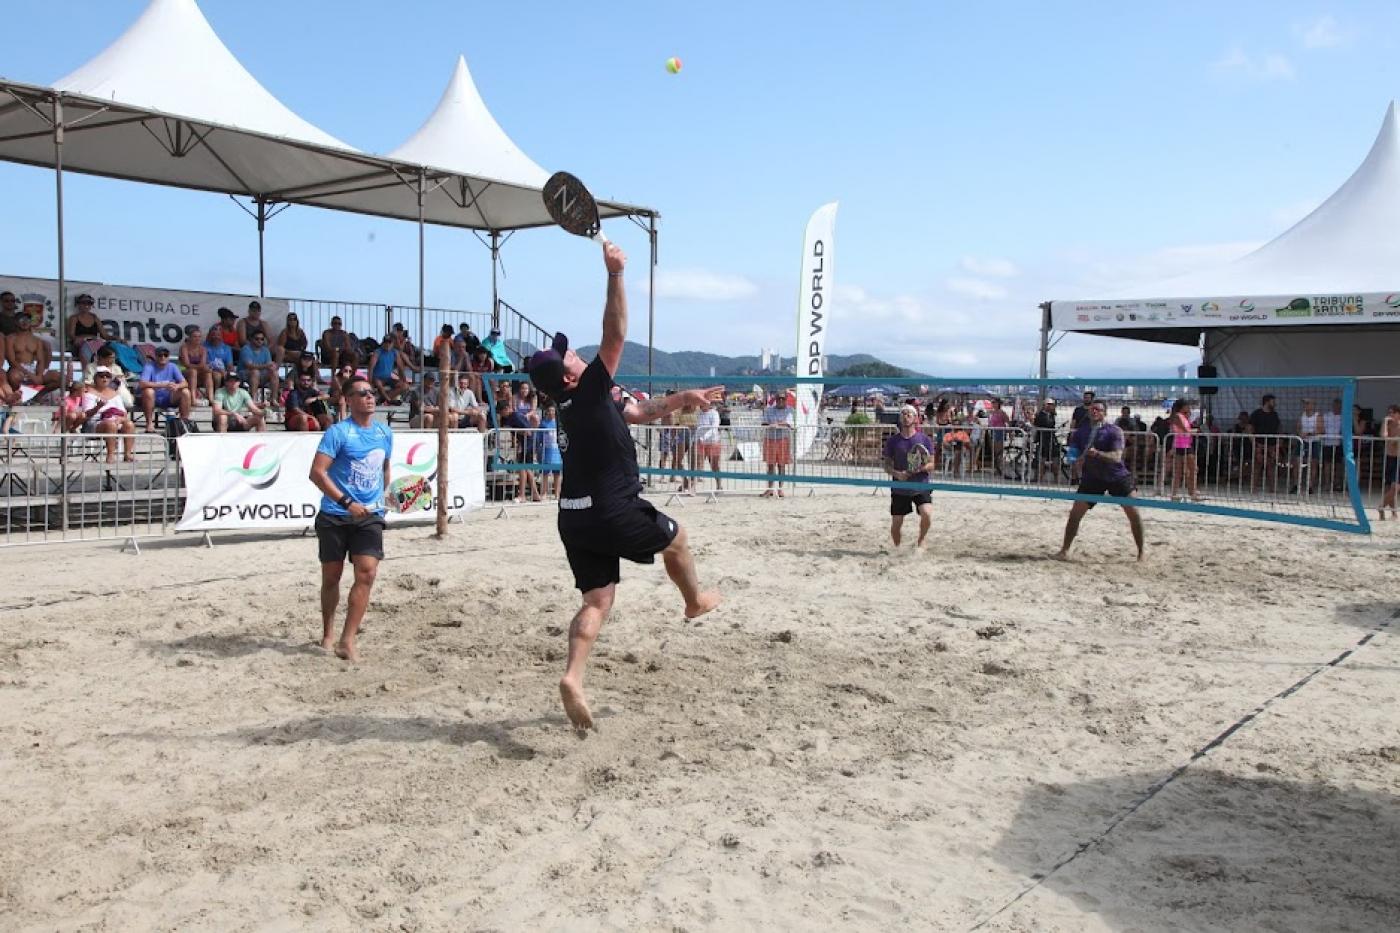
{"x":653,"y":408}
{"x":615,"y":311}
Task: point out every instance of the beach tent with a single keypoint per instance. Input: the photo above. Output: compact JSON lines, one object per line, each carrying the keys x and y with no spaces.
{"x":862,"y":390}
{"x":167,"y":103}
{"x":1322,"y":298}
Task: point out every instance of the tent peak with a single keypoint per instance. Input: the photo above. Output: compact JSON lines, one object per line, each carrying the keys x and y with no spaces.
{"x":462,"y":136}
{"x":170,"y":60}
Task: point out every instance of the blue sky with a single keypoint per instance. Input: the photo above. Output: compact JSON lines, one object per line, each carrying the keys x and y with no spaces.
{"x":986,"y":156}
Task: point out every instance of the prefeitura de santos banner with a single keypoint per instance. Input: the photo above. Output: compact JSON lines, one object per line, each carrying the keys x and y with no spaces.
{"x":139,"y":315}
{"x":1230,"y":311}
{"x":260,"y":480}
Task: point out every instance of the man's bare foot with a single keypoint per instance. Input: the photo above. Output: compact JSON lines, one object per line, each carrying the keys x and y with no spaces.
{"x":1142,"y":556}
{"x":347,"y":652}
{"x":703,"y":604}
{"x":328,"y":643}
{"x":1060,"y":555}
{"x":575,"y":705}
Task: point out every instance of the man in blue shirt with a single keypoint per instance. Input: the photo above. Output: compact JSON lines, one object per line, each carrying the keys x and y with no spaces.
{"x":495,"y":346}
{"x":163,"y":386}
{"x":351,"y":469}
{"x":255,"y":360}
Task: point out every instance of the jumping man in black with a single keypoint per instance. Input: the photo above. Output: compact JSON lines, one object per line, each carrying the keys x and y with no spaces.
{"x":602,"y":516}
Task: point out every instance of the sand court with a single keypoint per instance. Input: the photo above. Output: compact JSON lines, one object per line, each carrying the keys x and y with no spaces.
{"x":856,"y":739}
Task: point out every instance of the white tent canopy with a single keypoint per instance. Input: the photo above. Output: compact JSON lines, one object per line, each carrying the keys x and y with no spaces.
{"x":167,"y":103}
{"x":1340,"y":265}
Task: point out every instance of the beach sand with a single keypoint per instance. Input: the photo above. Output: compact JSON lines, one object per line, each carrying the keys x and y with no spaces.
{"x":856,"y":739}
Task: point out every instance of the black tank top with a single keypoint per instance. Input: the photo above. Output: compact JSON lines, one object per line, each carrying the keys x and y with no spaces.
{"x":87,"y":330}
{"x":600,"y":458}
{"x":295,"y":344}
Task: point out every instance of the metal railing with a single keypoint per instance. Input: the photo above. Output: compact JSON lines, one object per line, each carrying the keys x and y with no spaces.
{"x":74,"y":487}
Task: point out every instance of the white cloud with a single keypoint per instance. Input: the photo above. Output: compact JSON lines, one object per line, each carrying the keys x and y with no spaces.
{"x":989,"y":268}
{"x":976,"y":288}
{"x":703,"y":285}
{"x":854,"y":300}
{"x":1322,"y":34}
{"x":1103,"y":275}
{"x":1268,"y":67}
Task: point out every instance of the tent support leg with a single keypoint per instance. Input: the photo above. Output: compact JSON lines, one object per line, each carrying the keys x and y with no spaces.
{"x":495,"y":291}
{"x":1044,"y":348}
{"x":261,"y":217}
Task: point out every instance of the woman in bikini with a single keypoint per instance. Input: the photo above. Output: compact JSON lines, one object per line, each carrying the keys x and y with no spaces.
{"x":85,"y":330}
{"x":291,"y":343}
{"x":194,"y":360}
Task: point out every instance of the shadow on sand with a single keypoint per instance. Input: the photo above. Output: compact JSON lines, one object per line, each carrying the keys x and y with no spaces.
{"x":1217,"y":852}
{"x":233,"y":645}
{"x":342,"y":729}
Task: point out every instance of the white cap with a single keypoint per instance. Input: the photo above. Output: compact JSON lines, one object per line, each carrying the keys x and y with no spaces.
{"x":102,"y":369}
{"x":910,"y":409}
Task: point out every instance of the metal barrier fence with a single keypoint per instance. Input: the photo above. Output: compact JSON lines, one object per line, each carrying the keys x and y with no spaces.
{"x":75,"y":487}
{"x":363,"y":319}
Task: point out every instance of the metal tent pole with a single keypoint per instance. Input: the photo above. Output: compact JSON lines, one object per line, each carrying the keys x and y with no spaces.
{"x":1044,"y":347}
{"x":262,"y":225}
{"x":62,"y":336}
{"x":441,"y":492}
{"x":651,"y":301}
{"x":495,"y":295}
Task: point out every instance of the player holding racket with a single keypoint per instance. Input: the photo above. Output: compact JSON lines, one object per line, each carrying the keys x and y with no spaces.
{"x":908,"y":457}
{"x":602,"y":517}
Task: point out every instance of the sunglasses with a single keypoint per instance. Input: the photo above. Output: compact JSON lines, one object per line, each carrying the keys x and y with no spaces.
{"x":363,"y":393}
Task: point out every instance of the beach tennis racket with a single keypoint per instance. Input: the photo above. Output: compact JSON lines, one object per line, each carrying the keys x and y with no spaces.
{"x":571,"y":206}
{"x":915,"y":460}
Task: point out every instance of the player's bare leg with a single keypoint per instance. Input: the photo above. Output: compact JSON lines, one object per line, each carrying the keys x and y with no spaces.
{"x":1135,"y":523}
{"x":896,"y":526}
{"x":330,"y":600}
{"x":1076,"y":515}
{"x":680,"y":567}
{"x":366,"y":569}
{"x":583,"y":632}
{"x":925,"y":523}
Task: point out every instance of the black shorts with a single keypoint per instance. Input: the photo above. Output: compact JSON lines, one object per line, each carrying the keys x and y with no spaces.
{"x":339,"y":535}
{"x":1390,"y":470}
{"x":596,"y":543}
{"x":903,"y":505}
{"x":1118,"y":489}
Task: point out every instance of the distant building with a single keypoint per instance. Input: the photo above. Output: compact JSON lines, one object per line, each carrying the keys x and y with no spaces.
{"x":769,"y":359}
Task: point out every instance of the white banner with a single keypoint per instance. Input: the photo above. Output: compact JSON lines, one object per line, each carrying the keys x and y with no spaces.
{"x":261,"y":479}
{"x":813,"y":316}
{"x":140,"y":315}
{"x":1233,"y":311}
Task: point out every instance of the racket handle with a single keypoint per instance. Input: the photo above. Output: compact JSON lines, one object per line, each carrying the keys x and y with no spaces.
{"x":600,"y":238}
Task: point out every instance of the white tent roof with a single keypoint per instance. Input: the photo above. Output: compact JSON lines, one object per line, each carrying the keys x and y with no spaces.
{"x":1349,"y":246}
{"x":461,"y":136}
{"x":171,"y":61}
{"x":167,"y":103}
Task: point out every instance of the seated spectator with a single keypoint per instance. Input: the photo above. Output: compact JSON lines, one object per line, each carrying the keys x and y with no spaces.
{"x":386,"y":371}
{"x":229,"y":331}
{"x":220,"y":357}
{"x":411,"y":355}
{"x":442,"y":344}
{"x":234,"y":408}
{"x":194,"y":360}
{"x":500,"y":356}
{"x":291,"y":343}
{"x":305,"y":365}
{"x":339,"y":379}
{"x":9,"y":314}
{"x":469,"y":340}
{"x":423,"y":405}
{"x":337,"y":346}
{"x":85,"y":331}
{"x":27,"y":355}
{"x":107,"y":414}
{"x":163,"y":386}
{"x":307,"y":408}
{"x":463,"y":406}
{"x":107,"y":358}
{"x":258,"y":369}
{"x":73,"y":413}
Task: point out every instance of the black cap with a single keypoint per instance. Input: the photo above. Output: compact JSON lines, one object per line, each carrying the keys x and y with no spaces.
{"x":84,"y":299}
{"x":546,"y":367}
{"x":225,"y":312}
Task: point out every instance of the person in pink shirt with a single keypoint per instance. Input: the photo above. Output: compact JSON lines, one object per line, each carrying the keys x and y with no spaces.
{"x":997,"y":425}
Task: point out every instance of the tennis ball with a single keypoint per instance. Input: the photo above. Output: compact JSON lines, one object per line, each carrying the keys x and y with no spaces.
{"x":673,"y":65}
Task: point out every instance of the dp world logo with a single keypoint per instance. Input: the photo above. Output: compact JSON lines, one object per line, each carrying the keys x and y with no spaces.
{"x":1392,"y":301}
{"x":259,"y":470}
{"x":421,"y":462}
{"x":1245,"y":305}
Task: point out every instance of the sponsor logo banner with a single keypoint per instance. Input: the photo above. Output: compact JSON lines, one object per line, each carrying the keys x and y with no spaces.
{"x":261,"y":480}
{"x":1227,"y":311}
{"x":139,"y":315}
{"x":813,"y":315}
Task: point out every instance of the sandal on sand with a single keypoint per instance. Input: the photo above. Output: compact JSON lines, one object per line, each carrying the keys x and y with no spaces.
{"x":767,"y":494}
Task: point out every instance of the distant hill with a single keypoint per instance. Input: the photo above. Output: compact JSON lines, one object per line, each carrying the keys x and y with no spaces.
{"x":696,"y":363}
